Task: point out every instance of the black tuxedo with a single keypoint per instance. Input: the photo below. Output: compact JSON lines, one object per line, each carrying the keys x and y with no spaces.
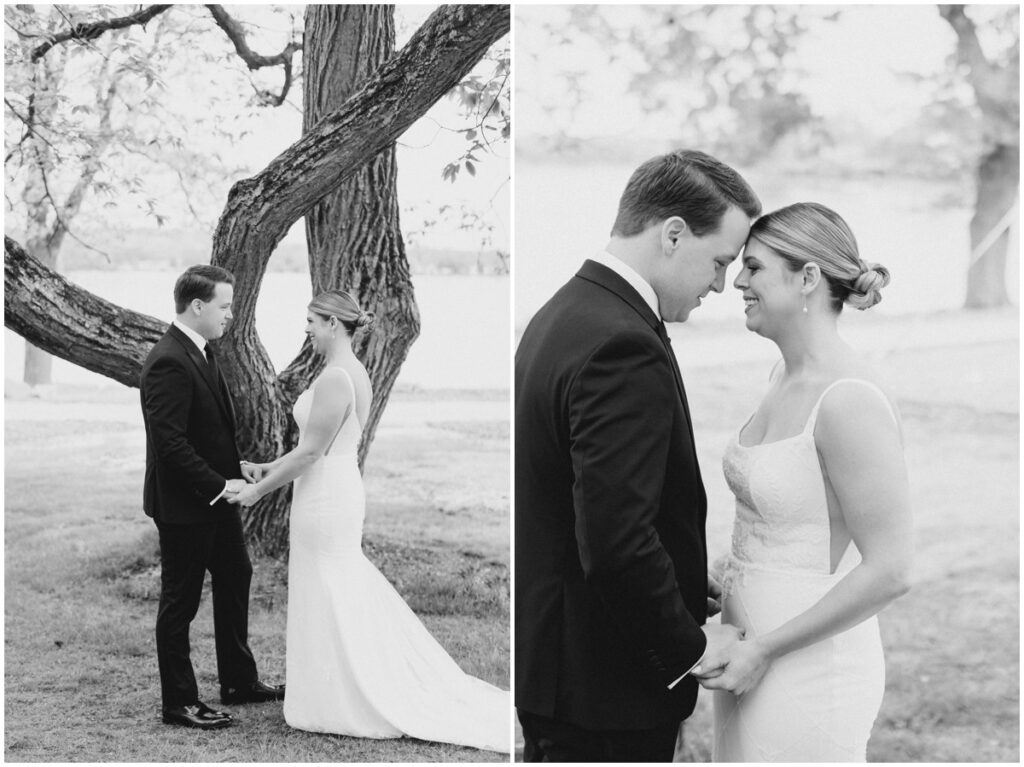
{"x":610,"y":555}
{"x":190,"y":454}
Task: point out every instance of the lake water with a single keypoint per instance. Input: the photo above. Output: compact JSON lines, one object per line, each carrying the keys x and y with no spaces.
{"x":917,"y":229}
{"x":463,"y":343}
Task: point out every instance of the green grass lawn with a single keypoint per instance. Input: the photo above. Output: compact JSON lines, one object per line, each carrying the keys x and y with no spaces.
{"x":82,"y":580}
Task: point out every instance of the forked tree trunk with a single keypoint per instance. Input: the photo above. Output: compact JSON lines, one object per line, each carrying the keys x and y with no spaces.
{"x":78,"y":326}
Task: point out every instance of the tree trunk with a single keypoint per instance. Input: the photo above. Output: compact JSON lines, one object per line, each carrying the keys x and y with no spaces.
{"x":47,"y":310}
{"x":353,"y":234}
{"x":351,"y":211}
{"x":998,"y":180}
{"x":48,"y":220}
{"x":996,"y":89}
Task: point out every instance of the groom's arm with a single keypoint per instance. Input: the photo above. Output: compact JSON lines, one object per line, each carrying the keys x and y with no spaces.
{"x":620,"y":424}
{"x":168,"y":397}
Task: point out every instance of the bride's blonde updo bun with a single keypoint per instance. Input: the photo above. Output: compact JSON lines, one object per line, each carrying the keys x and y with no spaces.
{"x":866,"y":290}
{"x":338,"y":303}
{"x":807,"y":232}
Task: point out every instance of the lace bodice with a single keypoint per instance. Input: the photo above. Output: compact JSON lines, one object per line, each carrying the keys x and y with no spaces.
{"x":782,"y":519}
{"x":347,"y":440}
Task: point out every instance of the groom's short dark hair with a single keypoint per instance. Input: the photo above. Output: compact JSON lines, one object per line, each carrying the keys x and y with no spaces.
{"x":685,"y":183}
{"x":199,"y":282}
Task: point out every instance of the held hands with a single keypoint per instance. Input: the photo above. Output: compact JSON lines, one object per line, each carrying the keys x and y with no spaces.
{"x":721,"y":639}
{"x":242,"y":491}
{"x":233,"y":487}
{"x":252,"y":472}
{"x":730,"y":662}
{"x":247,"y":496}
{"x":745,"y":664}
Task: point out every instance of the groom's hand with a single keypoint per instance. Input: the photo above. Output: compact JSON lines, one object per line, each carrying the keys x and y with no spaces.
{"x":234,"y":486}
{"x":721,"y":639}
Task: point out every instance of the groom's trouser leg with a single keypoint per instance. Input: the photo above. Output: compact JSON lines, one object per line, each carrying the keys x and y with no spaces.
{"x":231,"y":575}
{"x":182,"y":570}
{"x":549,"y":740}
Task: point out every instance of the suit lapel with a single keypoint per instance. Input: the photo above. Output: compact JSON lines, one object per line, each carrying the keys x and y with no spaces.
{"x":206,"y":371}
{"x":608,"y":279}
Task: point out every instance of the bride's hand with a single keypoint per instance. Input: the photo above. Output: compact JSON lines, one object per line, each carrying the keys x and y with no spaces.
{"x":247,"y":496}
{"x":747,"y":663}
{"x":252,"y":472}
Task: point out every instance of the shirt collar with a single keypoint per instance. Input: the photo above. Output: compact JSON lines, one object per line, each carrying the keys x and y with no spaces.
{"x":630,"y":275}
{"x":193,"y":336}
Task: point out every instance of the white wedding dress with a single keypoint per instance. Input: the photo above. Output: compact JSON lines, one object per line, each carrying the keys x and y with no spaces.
{"x":358,"y":660}
{"x":816,"y":704}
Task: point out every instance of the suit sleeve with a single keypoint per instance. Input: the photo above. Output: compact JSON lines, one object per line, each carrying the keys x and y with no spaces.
{"x":620,"y":426}
{"x":168,"y":387}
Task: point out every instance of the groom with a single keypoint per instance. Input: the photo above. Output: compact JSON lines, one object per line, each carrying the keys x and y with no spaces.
{"x":192,"y":467}
{"x":610,"y":556}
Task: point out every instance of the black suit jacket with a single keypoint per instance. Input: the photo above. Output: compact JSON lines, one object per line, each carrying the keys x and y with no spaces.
{"x":610,"y":557}
{"x":190,"y":433}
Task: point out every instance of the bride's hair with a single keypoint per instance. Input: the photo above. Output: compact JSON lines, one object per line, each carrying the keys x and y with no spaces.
{"x":807,"y":232}
{"x":338,"y":303}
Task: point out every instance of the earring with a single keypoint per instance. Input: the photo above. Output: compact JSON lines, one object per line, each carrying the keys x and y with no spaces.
{"x":805,"y":304}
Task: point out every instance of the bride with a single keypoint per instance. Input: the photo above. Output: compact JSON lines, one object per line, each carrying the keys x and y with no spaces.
{"x":819,"y":478}
{"x":358,"y":660}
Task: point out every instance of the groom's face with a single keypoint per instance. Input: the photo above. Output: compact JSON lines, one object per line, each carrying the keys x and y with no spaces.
{"x":690,"y":267}
{"x":213,"y":315}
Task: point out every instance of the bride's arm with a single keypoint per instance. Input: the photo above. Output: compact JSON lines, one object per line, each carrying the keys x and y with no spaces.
{"x":861,"y":449}
{"x":332,"y":400}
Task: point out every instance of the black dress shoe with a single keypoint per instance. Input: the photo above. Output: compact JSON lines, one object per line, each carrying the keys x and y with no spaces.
{"x":255,"y":692}
{"x":199,"y":716}
{"x":211,"y":713}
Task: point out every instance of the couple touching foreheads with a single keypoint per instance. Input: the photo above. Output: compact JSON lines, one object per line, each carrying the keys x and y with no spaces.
{"x":612,"y":582}
{"x":358,"y":660}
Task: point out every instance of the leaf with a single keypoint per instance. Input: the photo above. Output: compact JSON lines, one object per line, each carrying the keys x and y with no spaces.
{"x":471,"y":168}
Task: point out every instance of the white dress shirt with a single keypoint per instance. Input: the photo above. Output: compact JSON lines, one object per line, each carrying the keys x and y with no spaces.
{"x":193,"y":336}
{"x":200,"y":342}
{"x":630,"y":275}
{"x":643,"y":287}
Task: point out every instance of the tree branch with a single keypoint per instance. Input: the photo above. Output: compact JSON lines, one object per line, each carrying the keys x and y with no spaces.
{"x":54,"y":314}
{"x":29,"y":127}
{"x":261,"y":209}
{"x":255,"y":60}
{"x":94,"y":29}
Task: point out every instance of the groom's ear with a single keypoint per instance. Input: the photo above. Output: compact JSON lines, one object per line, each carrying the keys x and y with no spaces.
{"x":671,"y":231}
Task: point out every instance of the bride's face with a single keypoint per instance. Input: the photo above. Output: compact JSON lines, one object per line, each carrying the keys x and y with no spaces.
{"x":320,"y":332}
{"x":771,"y":291}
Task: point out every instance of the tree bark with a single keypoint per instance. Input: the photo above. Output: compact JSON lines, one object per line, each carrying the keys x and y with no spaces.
{"x":49,"y":311}
{"x":353,"y":234}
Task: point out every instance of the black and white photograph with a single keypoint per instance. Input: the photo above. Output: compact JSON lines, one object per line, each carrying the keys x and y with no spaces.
{"x":258,"y":325}
{"x":766,"y":383}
